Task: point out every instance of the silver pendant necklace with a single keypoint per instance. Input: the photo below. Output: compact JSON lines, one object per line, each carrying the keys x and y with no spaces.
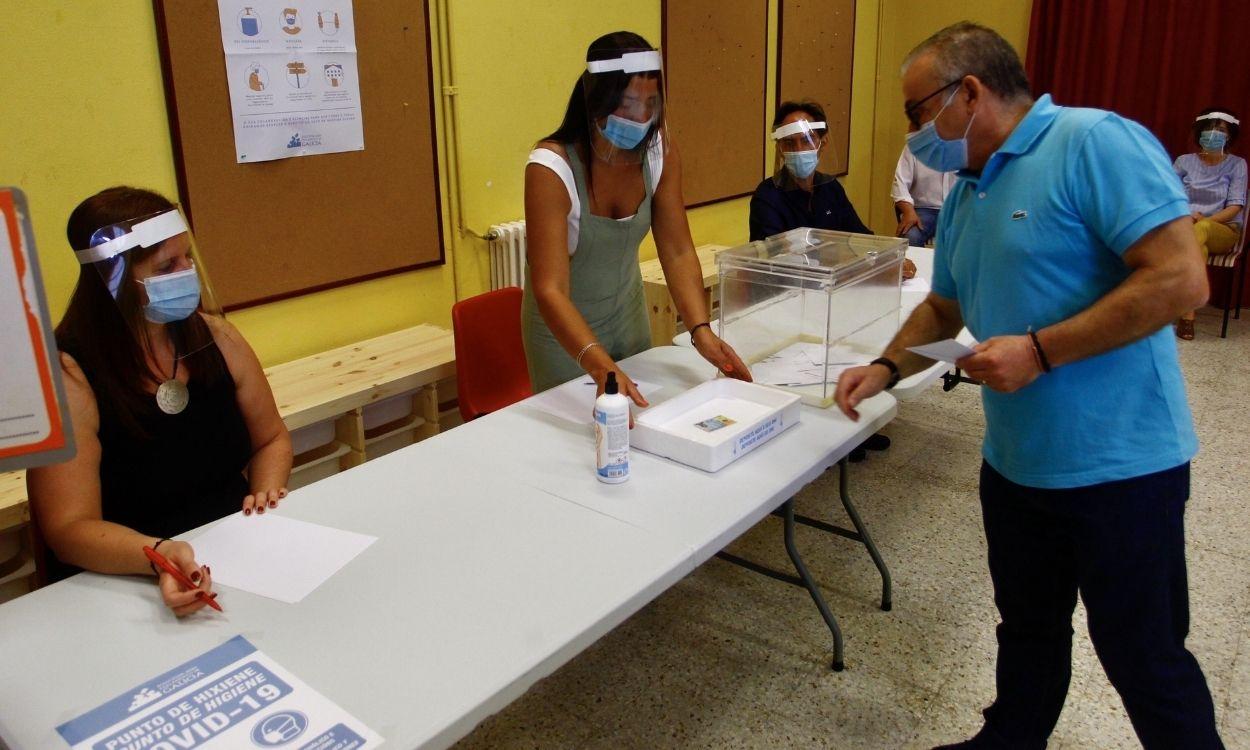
{"x":172,"y":395}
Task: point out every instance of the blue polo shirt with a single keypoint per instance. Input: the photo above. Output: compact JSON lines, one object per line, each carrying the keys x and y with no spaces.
{"x":1036,"y":238}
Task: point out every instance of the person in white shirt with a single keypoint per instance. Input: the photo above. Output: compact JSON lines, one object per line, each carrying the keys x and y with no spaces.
{"x":918,"y":193}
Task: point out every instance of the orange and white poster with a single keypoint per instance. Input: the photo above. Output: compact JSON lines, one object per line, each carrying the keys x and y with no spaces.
{"x":34,"y":424}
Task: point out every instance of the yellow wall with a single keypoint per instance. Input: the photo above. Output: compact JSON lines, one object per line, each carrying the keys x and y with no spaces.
{"x":84,"y":110}
{"x":904,"y":24}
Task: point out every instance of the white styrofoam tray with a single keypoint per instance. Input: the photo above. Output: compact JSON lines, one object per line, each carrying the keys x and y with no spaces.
{"x":671,"y":429}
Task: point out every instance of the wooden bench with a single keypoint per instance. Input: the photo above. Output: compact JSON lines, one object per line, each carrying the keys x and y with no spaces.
{"x":660,"y":307}
{"x":338,"y":385}
{"x":17,"y":561}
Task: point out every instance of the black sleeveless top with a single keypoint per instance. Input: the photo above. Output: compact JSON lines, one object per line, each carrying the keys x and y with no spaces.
{"x":186,"y":470}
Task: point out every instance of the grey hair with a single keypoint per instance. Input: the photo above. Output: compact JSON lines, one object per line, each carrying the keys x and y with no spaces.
{"x":967,"y":48}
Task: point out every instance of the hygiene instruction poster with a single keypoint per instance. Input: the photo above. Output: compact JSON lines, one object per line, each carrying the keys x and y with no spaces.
{"x":291,"y":67}
{"x":34,"y":422}
{"x":231,"y":697}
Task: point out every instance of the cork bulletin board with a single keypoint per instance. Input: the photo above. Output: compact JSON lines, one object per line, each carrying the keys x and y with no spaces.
{"x":715,"y":60}
{"x":276,"y":229}
{"x":815,"y":52}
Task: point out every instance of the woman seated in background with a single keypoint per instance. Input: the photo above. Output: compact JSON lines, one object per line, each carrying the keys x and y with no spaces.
{"x":169,"y":404}
{"x":797,"y":195}
{"x":1215,"y":182}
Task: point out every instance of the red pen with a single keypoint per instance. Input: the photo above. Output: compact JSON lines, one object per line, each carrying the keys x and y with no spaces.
{"x":159,"y":559}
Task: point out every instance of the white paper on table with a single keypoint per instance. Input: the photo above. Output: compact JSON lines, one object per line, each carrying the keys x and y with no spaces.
{"x":916,"y":284}
{"x":575,"y":400}
{"x":948,"y":350}
{"x":275,"y":556}
{"x":802,"y":363}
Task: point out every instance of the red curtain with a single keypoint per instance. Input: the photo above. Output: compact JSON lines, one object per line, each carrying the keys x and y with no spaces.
{"x":1155,"y":61}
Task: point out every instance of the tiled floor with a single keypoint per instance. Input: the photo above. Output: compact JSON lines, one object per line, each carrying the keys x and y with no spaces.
{"x":730,"y":659}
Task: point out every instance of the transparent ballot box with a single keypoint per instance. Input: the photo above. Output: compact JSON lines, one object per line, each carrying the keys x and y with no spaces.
{"x":802,"y":306}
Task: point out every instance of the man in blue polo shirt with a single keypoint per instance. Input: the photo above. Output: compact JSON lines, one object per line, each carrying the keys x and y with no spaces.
{"x":1067,"y":249}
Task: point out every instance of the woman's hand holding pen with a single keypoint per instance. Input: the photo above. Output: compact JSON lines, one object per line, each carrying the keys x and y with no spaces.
{"x":184,"y":601}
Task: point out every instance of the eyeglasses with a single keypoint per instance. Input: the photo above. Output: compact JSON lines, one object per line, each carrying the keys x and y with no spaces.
{"x":913,"y":111}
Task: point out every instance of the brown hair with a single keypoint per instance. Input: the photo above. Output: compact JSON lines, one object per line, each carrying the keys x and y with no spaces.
{"x":108,"y":336}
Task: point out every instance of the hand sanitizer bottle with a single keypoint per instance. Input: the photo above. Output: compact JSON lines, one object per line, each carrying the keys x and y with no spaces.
{"x":612,"y":434}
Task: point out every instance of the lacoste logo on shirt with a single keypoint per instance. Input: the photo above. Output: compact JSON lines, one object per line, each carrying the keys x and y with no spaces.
{"x":1019,"y":214}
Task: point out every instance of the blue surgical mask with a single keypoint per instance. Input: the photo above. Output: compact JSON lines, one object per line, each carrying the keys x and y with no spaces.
{"x":934,"y":151}
{"x":173,"y":296}
{"x":1213,"y":140}
{"x":625,"y":134}
{"x":801,"y":163}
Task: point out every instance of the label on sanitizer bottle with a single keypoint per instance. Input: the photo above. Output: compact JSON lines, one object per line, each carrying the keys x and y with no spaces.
{"x":612,"y":445}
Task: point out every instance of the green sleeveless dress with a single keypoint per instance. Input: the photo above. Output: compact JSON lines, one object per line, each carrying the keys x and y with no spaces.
{"x":605,"y":285}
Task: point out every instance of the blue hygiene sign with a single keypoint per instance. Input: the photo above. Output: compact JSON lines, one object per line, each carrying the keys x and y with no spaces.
{"x":231,"y":696}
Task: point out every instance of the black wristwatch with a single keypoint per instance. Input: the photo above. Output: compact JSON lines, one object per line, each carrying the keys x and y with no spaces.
{"x":893,"y":368}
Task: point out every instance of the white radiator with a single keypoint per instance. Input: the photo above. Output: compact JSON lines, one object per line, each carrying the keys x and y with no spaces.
{"x":507,"y":254}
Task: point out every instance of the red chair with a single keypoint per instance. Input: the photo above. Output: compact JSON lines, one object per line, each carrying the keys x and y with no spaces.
{"x":490,"y":359}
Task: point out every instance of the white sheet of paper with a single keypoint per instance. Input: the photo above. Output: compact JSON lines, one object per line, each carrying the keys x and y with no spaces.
{"x":802,"y":363}
{"x":916,"y":284}
{"x":275,"y":556}
{"x":575,"y":400}
{"x":948,"y":350}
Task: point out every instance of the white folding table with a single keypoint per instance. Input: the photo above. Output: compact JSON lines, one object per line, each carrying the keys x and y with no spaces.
{"x":499,"y":558}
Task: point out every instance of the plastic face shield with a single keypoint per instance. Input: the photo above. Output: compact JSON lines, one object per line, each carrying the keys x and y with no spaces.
{"x":625,"y":105}
{"x":1222,"y":116}
{"x":151,"y":264}
{"x":798,"y":146}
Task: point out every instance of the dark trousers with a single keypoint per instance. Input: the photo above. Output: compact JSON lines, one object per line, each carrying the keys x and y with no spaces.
{"x":1121,"y":545}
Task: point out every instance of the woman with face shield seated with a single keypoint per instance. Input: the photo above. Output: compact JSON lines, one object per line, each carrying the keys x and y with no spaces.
{"x":1215,"y":182}
{"x":172,"y":414}
{"x":593,"y":189}
{"x":799,"y":195}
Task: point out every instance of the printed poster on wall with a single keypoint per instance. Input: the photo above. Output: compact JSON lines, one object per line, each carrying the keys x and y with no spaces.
{"x":291,"y":67}
{"x":231,"y":697}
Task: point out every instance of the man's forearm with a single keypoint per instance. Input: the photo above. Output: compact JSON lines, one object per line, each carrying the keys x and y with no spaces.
{"x":1145,"y":302}
{"x":925,"y":325}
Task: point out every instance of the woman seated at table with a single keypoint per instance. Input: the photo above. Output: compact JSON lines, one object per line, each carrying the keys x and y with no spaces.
{"x":1215,"y":182}
{"x":593,"y":189}
{"x":799,"y":195}
{"x":168,"y":403}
